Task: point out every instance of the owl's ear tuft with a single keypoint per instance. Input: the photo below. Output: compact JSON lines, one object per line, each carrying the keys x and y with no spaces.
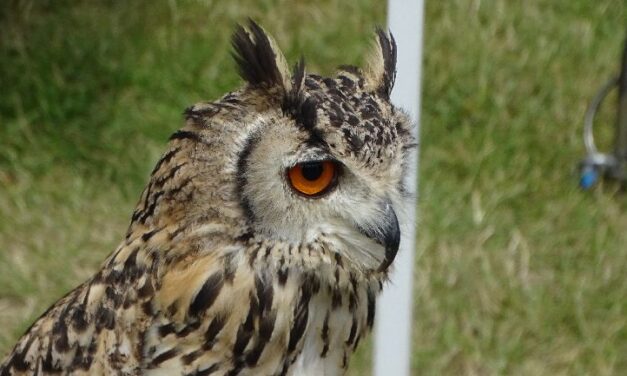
{"x":259,"y":60}
{"x":381,"y":64}
{"x":295,"y":104}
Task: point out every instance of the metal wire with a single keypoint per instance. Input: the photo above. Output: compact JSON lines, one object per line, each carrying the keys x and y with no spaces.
{"x":593,"y":108}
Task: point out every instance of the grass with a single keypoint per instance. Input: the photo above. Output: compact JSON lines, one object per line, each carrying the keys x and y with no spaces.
{"x":518,"y":271}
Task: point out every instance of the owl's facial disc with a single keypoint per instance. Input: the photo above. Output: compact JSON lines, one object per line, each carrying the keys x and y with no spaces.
{"x":301,"y":193}
{"x":315,"y":179}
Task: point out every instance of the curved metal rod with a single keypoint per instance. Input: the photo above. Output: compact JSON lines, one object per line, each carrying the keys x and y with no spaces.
{"x":593,"y":108}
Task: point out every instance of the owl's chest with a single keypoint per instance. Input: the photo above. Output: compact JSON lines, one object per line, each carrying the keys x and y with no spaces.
{"x":331,"y":336}
{"x":311,"y":333}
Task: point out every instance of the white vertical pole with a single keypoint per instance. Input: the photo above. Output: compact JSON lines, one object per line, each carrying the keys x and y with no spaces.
{"x":394,"y":307}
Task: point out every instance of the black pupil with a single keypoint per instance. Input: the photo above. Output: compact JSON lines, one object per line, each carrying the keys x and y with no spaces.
{"x":312,"y":170}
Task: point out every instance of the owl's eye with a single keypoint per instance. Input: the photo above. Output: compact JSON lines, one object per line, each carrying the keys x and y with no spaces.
{"x":313,"y":178}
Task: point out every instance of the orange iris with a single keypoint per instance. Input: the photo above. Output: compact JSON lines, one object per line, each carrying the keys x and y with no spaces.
{"x":312,"y":178}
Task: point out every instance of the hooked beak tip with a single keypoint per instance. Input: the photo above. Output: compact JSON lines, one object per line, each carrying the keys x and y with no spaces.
{"x":387,"y":233}
{"x":391,"y":238}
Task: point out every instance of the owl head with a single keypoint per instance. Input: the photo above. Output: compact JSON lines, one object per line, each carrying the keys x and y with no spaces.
{"x":311,"y":166}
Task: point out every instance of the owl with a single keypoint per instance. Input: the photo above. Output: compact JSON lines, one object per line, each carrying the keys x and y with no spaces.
{"x":265,"y":233}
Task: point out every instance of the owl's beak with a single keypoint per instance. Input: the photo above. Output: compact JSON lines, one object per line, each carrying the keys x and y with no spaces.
{"x":387,"y":232}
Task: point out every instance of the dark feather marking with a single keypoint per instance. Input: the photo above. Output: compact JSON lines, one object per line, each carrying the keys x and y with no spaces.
{"x":17,"y":361}
{"x":164,"y":356}
{"x":131,"y":260}
{"x":167,"y":329}
{"x":191,"y":356}
{"x":114,"y":277}
{"x":353,"y":280}
{"x":325,"y":336}
{"x":244,"y":333}
{"x":354,"y":121}
{"x":253,"y":312}
{"x":188,"y":329}
{"x":353,"y":140}
{"x":82,"y":359}
{"x":293,"y":100}
{"x":117,"y":359}
{"x":59,"y":331}
{"x":282,"y":274}
{"x":165,"y":159}
{"x":136,"y":214}
{"x":329,"y":82}
{"x":266,"y":327}
{"x":207,"y":294}
{"x":347,"y":82}
{"x":306,"y":117}
{"x":316,"y":138}
{"x":93,"y":346}
{"x":184,"y":183}
{"x":245,"y":237}
{"x":231,"y":98}
{"x":149,"y":234}
{"x":309,"y":287}
{"x":255,"y":58}
{"x":186,"y":135}
{"x":338,"y":261}
{"x":286,"y":367}
{"x":79,"y":319}
{"x":371,"y":308}
{"x":238,"y":364}
{"x":197,"y":115}
{"x":160,"y":182}
{"x":353,"y":331}
{"x":174,"y":233}
{"x":105,"y":319}
{"x":49,"y":365}
{"x":213,"y":331}
{"x":242,"y":163}
{"x":113,"y":296}
{"x":151,"y":208}
{"x":265,"y":294}
{"x":147,"y":307}
{"x":336,"y":298}
{"x":147,"y":197}
{"x":229,"y":267}
{"x":146,"y":290}
{"x":352,"y":301}
{"x":253,"y":255}
{"x":300,"y":108}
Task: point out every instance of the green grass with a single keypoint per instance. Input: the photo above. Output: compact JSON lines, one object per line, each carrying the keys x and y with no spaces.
{"x":518,"y":271}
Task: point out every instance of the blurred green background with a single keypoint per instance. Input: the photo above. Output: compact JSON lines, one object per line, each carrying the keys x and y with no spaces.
{"x":518,"y":272}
